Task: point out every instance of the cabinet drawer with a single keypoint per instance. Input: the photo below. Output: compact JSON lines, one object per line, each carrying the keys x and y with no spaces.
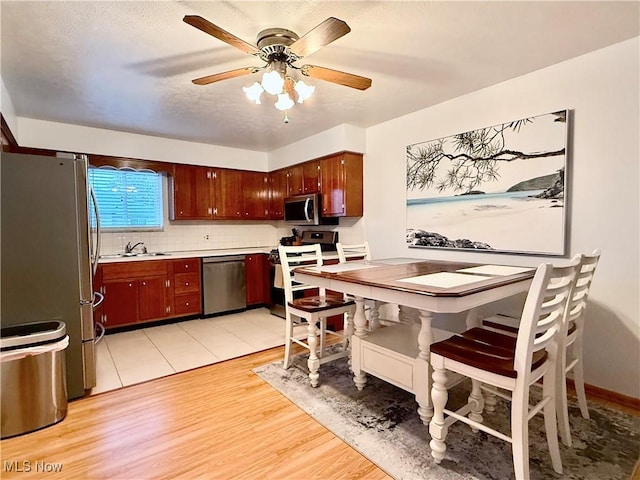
{"x":186,"y":283}
{"x":187,"y":304}
{"x":187,"y":265}
{"x":128,"y":270}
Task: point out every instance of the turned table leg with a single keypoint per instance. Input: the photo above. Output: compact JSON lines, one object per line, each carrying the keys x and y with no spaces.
{"x":359,"y":322}
{"x":314,"y":362}
{"x":423,"y":384}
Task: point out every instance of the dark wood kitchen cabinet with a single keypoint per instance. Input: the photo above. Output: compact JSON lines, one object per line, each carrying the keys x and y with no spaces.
{"x":192,"y":194}
{"x":227,"y":194}
{"x":135,"y":292}
{"x":208,"y":193}
{"x":187,"y":288}
{"x":277,"y":194}
{"x":255,"y":195}
{"x":120,"y":303}
{"x":152,"y":298}
{"x":148,"y":290}
{"x":295,"y":180}
{"x":303,"y":178}
{"x":311,"y":176}
{"x":257,"y":279}
{"x":341,"y":185}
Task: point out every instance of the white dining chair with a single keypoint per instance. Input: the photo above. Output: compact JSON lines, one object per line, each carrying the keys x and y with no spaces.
{"x":511,"y":364}
{"x":355,"y":251}
{"x":570,"y":359}
{"x":311,"y":311}
{"x":361,"y":252}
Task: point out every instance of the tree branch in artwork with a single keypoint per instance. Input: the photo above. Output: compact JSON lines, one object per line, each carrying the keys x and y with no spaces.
{"x":474,"y":160}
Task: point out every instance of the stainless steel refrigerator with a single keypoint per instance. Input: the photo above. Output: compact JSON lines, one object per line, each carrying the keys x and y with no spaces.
{"x":48,"y":254}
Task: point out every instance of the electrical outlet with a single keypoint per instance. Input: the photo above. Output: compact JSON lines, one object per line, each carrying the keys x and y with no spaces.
{"x":206,"y":237}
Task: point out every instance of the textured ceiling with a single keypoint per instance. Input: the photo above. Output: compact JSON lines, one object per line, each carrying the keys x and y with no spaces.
{"x":128,"y":65}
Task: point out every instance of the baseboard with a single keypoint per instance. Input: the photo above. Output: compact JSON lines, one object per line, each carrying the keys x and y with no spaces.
{"x":615,"y":398}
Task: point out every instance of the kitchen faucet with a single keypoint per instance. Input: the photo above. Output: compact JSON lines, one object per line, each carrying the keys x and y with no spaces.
{"x":129,"y":248}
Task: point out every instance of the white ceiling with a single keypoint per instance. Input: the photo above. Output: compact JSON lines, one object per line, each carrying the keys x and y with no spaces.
{"x":128,"y":66}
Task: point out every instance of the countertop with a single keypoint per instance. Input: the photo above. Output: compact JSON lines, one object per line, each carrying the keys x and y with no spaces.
{"x":169,"y":255}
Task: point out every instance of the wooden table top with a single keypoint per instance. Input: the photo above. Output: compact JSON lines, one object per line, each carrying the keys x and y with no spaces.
{"x":402,"y":276}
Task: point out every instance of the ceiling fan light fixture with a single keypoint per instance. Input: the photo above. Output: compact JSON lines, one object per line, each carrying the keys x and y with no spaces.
{"x":272,"y":82}
{"x":284,"y":102}
{"x":303,"y":90}
{"x":254,"y":92}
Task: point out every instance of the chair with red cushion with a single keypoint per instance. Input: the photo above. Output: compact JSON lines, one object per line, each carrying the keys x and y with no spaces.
{"x":511,"y":364}
{"x":311,"y":312}
{"x":571,"y":343}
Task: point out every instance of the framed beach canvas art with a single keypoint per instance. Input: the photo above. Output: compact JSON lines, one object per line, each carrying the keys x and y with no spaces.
{"x":494,"y":189}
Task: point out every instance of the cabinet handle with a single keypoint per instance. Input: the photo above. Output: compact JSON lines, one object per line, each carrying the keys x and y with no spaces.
{"x":186,"y":284}
{"x":187,"y":304}
{"x":209,"y":210}
{"x":186,"y":265}
{"x":144,"y":284}
{"x":131,"y":284}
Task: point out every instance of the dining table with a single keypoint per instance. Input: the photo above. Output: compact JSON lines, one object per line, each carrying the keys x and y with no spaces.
{"x":399,"y":353}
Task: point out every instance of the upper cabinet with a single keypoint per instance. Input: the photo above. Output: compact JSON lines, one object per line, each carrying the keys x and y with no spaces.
{"x":255,"y":195}
{"x":190,"y":187}
{"x":207,"y":193}
{"x":277,"y":193}
{"x":227,"y":194}
{"x":295,"y":181}
{"x":203,"y":193}
{"x":341,"y":185}
{"x":311,"y":176}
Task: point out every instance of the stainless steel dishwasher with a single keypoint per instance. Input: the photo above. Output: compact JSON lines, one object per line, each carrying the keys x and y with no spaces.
{"x":223,"y":284}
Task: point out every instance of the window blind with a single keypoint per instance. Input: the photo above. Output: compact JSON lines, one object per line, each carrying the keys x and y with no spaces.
{"x":127,"y":199}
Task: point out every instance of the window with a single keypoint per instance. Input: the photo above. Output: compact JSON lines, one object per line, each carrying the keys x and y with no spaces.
{"x":128,"y":199}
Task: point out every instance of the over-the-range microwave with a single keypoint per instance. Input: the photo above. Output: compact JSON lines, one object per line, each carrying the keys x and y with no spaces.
{"x":306,"y":210}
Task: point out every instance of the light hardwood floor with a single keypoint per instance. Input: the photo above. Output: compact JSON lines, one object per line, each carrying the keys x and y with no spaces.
{"x":219,"y":421}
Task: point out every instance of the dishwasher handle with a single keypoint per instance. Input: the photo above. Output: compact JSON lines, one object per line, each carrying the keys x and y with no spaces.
{"x":224,"y":259}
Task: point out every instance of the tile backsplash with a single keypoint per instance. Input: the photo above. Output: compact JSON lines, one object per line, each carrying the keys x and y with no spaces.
{"x":192,"y":235}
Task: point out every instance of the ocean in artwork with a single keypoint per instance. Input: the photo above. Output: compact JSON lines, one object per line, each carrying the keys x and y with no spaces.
{"x":507,"y":221}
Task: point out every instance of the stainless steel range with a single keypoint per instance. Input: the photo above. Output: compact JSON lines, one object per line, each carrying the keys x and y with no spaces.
{"x":326,"y":239}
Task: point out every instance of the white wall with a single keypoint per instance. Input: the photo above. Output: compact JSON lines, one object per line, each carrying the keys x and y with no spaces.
{"x":74,"y":138}
{"x":341,"y":138}
{"x":602,"y":90}
{"x":7,"y":108}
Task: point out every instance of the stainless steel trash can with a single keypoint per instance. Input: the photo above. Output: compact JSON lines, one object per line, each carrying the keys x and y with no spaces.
{"x":34,"y":385}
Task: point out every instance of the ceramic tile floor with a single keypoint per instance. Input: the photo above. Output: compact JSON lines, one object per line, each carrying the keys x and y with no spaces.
{"x":132,"y":357}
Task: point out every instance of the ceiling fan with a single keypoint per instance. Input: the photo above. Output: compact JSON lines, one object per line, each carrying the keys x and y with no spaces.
{"x":280,"y":49}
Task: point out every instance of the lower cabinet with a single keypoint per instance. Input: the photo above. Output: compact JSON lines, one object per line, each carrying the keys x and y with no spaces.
{"x":256,"y":269}
{"x":120,"y":305}
{"x":144,"y":291}
{"x":187,"y":290}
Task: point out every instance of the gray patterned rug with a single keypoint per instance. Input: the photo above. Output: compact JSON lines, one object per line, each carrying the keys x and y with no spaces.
{"x":381,"y":422}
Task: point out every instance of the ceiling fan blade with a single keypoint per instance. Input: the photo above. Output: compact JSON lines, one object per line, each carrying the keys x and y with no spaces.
{"x":335,"y":76}
{"x":325,"y":33}
{"x":213,"y":30}
{"x":238,"y":72}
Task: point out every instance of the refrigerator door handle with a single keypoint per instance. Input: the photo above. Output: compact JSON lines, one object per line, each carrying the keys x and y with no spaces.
{"x":98,"y":298}
{"x":95,"y":255}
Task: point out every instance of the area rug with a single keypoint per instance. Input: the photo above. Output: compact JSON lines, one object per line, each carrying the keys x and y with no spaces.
{"x":381,"y":423}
